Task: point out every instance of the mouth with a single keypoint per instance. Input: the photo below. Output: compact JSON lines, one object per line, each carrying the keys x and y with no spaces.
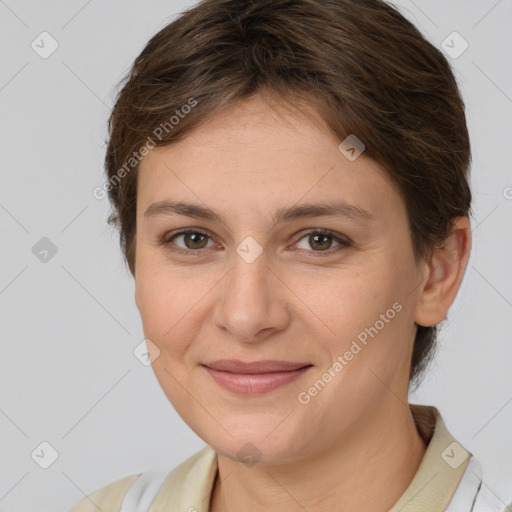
{"x":254,"y":377}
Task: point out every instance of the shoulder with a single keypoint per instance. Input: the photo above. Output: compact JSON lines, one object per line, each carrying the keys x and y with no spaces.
{"x":191,"y":479}
{"x":473,"y":494}
{"x":108,"y":498}
{"x":488,"y":501}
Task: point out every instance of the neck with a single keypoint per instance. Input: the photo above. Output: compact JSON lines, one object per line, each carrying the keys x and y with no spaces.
{"x":382,"y":457}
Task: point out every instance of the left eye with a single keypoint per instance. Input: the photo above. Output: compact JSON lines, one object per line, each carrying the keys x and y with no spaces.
{"x":320,"y":241}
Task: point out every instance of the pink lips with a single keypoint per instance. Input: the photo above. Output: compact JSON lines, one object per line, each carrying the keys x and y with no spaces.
{"x":254,"y":377}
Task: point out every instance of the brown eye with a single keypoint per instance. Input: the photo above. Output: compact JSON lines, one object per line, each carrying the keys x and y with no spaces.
{"x":322,"y":242}
{"x":195,"y":240}
{"x":187,"y":241}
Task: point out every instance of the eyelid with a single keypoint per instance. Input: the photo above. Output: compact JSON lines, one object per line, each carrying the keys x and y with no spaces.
{"x":167,"y":240}
{"x":341,"y":239}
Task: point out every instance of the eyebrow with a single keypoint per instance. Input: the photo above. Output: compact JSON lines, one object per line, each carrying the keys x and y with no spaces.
{"x":282,"y":215}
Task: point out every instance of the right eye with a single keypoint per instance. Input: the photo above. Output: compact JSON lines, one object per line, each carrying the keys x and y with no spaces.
{"x":193,"y":241}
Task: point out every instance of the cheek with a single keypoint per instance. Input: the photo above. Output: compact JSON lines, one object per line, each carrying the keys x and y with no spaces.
{"x":166,"y":307}
{"x":364,"y":313}
{"x":345,"y":300}
{"x":169,"y":318}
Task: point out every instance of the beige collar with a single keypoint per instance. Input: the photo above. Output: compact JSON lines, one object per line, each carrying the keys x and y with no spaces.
{"x":441,"y":468}
{"x":190,"y":484}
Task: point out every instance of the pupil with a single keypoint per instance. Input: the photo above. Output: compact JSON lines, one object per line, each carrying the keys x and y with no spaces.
{"x":324,"y":245}
{"x":196,"y":240}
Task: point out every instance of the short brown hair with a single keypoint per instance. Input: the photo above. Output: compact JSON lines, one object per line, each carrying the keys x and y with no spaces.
{"x":366,"y":70}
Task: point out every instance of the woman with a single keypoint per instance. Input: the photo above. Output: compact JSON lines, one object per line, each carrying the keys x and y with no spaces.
{"x":290,"y":181}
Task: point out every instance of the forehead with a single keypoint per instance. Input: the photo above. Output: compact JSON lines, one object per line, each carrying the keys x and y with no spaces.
{"x":261,"y":156}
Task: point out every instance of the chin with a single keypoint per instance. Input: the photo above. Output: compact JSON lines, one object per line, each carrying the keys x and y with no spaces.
{"x":252,"y":442}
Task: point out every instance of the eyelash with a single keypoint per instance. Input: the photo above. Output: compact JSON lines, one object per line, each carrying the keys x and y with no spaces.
{"x":343,"y":243}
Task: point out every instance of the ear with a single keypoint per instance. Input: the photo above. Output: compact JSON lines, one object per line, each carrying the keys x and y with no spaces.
{"x":444,"y":272}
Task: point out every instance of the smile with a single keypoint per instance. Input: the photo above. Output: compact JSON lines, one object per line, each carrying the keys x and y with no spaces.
{"x":254,"y":378}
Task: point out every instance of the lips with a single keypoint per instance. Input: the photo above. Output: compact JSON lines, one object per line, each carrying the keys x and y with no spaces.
{"x":255,"y":377}
{"x":235,"y":366}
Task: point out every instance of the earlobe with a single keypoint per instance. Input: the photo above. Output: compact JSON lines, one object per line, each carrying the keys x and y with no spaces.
{"x":445,"y":272}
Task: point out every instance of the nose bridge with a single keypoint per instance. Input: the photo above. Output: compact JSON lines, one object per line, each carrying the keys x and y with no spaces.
{"x":249,"y":300}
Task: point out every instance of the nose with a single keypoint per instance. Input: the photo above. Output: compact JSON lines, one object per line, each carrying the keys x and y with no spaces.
{"x":252,"y":301}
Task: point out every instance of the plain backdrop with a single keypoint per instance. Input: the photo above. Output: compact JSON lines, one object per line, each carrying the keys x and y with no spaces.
{"x":68,"y":375}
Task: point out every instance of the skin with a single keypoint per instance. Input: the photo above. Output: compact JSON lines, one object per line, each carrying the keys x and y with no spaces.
{"x":291,"y":303}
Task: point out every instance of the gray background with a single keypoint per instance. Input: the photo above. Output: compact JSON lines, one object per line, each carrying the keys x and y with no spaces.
{"x":69,"y":325}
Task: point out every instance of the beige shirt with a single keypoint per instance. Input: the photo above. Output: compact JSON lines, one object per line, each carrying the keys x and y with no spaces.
{"x":189,"y":485}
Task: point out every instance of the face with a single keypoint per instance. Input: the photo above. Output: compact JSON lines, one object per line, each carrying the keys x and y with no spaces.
{"x":281,"y":249}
